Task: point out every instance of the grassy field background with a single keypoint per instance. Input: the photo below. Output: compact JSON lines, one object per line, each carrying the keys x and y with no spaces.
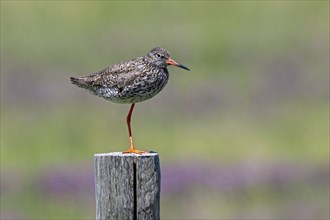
{"x":244,"y":134}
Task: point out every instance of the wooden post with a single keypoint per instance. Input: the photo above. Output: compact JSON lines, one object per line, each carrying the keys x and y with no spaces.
{"x":127,"y":186}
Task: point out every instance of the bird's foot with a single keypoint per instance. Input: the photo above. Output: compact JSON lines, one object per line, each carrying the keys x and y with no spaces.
{"x":134,"y":151}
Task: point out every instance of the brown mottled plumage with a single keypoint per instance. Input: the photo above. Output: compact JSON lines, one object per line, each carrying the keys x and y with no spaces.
{"x":130,"y":81}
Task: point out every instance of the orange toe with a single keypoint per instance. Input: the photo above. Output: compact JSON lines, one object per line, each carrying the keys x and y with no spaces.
{"x":134,"y":151}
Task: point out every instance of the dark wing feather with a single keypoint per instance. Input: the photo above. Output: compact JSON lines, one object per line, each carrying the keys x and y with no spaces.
{"x":117,"y":75}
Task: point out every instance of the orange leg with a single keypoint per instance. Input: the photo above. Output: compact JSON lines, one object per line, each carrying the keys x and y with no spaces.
{"x":131,"y":146}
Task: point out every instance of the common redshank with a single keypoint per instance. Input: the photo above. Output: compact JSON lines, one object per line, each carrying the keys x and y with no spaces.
{"x":130,"y":82}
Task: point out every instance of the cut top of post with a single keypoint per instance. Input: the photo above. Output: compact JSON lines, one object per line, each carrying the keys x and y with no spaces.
{"x":120,"y":154}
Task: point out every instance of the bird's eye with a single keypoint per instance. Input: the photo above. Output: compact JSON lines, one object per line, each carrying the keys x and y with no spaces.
{"x":158,"y":55}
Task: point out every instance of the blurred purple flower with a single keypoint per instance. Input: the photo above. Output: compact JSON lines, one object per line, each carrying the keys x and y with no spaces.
{"x":227,"y":178}
{"x":65,"y":180}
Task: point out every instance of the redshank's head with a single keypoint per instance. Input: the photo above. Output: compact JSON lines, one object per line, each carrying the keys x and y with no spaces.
{"x":161,"y":58}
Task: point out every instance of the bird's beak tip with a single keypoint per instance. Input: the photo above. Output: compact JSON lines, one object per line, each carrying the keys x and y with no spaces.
{"x":174,"y":63}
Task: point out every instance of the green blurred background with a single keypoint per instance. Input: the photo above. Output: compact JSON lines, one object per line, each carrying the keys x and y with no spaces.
{"x":244,"y":134}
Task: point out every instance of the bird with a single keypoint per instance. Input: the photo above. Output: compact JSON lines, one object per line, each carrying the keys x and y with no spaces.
{"x":130,"y":82}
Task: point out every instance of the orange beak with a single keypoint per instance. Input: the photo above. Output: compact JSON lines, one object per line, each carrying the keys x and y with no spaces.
{"x":174,"y":63}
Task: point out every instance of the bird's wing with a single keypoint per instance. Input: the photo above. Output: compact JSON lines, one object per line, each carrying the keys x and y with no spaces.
{"x":115,"y":76}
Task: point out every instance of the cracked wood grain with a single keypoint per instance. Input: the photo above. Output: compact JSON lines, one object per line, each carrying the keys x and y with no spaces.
{"x":127,"y":186}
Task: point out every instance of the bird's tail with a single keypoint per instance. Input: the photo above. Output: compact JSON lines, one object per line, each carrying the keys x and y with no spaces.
{"x":80,"y":81}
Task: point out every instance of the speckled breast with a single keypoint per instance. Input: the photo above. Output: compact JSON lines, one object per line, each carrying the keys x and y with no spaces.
{"x":141,"y":89}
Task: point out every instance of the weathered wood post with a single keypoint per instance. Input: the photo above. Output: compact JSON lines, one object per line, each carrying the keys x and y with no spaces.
{"x":127,"y":186}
